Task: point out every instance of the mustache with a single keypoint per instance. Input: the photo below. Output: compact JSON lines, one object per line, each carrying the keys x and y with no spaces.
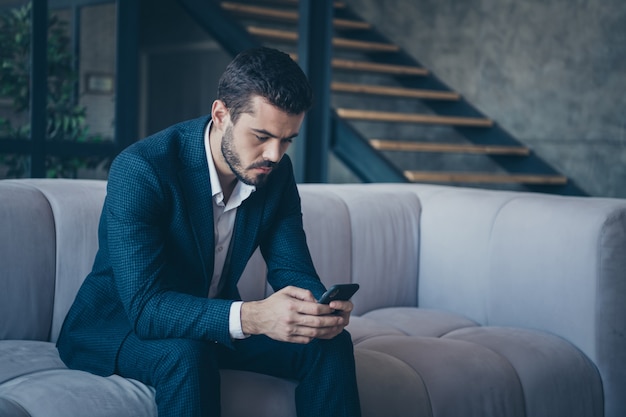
{"x":263,"y":164}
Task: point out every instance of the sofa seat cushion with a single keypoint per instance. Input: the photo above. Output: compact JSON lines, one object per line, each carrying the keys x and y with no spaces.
{"x":432,"y":362}
{"x":414,"y":321}
{"x":65,"y":392}
{"x":496,"y":371}
{"x":34,"y":382}
{"x":362,"y":328}
{"x":388,"y":386}
{"x":10,"y":408}
{"x":23,"y":357}
{"x":34,"y":379}
{"x":461,"y":378}
{"x":557,"y":378}
{"x":405,"y":321}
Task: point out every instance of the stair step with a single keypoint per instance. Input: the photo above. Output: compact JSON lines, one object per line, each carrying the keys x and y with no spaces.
{"x":336,"y":4}
{"x":379,"y":116}
{"x":391,"y":145}
{"x":366,"y":66}
{"x":286,"y":15}
{"x":484,"y":178}
{"x":285,"y":35}
{"x":394,"y":91}
{"x":346,"y":64}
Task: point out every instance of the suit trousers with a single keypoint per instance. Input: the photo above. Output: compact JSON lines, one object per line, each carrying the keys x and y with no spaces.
{"x":185,"y":373}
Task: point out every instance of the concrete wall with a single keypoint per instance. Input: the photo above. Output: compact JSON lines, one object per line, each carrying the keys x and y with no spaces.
{"x":551,"y":72}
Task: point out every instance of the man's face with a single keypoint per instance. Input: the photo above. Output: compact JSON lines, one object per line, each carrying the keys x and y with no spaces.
{"x":256,"y":143}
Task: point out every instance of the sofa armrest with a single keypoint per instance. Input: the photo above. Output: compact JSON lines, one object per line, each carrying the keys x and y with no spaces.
{"x":546,"y":262}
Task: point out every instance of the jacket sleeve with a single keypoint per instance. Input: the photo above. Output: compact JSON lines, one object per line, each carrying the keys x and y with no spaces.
{"x":284,"y":246}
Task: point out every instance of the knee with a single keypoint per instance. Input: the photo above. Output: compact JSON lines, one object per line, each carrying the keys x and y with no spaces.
{"x":338,"y":348}
{"x":342,"y":342}
{"x":185,"y":357}
{"x":345,"y":338}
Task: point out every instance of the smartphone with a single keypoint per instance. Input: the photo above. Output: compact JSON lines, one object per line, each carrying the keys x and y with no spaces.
{"x":341,"y":292}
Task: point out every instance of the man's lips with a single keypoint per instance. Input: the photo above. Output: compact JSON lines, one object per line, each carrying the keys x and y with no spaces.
{"x":264,"y":167}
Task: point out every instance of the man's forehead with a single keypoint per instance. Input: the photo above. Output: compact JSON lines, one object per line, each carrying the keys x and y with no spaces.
{"x":269,"y":120}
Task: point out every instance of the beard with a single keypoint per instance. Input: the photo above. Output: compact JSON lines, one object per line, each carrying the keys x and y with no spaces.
{"x":231,"y":156}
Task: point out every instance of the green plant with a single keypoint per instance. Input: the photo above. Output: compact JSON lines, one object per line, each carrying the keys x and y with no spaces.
{"x":65,"y":119}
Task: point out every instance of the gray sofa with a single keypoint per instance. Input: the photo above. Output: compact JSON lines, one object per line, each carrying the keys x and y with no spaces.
{"x":472,"y":302}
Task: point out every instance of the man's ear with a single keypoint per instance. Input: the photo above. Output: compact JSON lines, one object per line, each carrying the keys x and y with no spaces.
{"x":219,"y":114}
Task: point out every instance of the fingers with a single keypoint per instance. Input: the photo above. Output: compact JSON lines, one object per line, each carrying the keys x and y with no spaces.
{"x":304,"y":334}
{"x":345,"y":306}
{"x":302,"y":328}
{"x":298,"y":293}
{"x":293,"y":315}
{"x":313,"y":326}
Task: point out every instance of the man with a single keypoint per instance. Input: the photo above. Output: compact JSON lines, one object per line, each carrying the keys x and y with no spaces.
{"x":185,"y":210}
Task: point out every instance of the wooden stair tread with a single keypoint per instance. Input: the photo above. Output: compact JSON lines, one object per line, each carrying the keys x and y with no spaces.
{"x":285,"y":35}
{"x":379,"y":116}
{"x":478,"y":177}
{"x":286,"y":15}
{"x":366,"y":66}
{"x":336,"y":4}
{"x":347,"y":64}
{"x":364,"y":45}
{"x":391,"y":145}
{"x":394,"y":91}
{"x":351,"y":24}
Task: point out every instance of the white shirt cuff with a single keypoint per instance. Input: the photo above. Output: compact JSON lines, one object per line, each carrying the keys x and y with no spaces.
{"x":234,"y":321}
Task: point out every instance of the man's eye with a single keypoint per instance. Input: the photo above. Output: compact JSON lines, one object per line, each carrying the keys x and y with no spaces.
{"x":289,"y":140}
{"x":262,"y":138}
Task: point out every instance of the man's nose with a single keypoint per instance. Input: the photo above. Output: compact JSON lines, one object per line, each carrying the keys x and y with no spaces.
{"x":272,"y":150}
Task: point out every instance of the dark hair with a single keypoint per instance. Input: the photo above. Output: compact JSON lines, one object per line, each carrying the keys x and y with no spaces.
{"x":268,"y":73}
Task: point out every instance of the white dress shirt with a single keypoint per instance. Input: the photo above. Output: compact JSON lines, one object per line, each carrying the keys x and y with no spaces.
{"x":224,"y":215}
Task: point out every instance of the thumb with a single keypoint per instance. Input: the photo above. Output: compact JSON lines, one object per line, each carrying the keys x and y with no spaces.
{"x":298,"y":293}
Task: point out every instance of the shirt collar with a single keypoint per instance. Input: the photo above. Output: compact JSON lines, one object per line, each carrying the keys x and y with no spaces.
{"x":241,"y":191}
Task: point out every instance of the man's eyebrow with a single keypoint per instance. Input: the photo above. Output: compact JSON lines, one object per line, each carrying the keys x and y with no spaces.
{"x":271,"y":135}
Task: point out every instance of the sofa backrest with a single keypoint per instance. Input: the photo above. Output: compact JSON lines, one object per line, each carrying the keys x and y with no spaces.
{"x":27,"y":253}
{"x":48,"y":241}
{"x":357,"y":233}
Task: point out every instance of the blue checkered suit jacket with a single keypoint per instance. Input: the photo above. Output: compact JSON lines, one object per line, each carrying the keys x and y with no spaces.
{"x":155,"y":260}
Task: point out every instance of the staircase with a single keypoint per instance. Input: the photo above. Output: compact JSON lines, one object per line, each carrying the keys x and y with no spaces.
{"x":393,"y":119}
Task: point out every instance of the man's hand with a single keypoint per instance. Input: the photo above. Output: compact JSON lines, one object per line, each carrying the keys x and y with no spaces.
{"x":293,"y":315}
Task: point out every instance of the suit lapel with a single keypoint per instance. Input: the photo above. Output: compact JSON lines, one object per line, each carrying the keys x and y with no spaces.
{"x":245,"y":239}
{"x":200,"y":207}
{"x":196,"y":189}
